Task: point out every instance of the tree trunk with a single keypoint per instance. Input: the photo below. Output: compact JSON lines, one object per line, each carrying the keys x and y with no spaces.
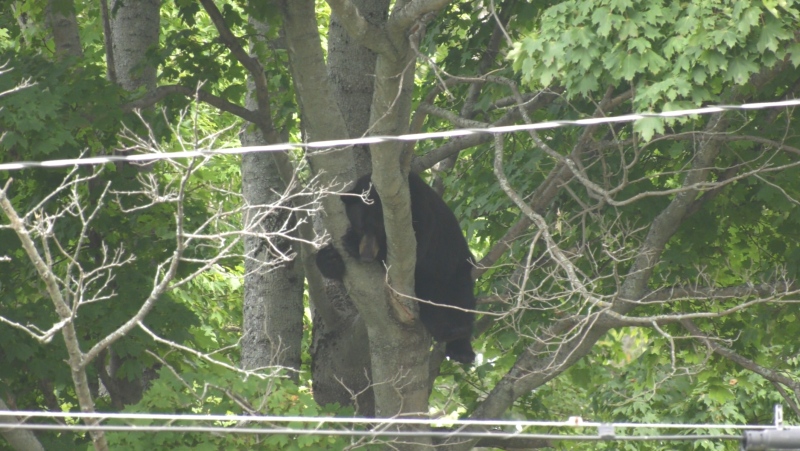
{"x":340,"y":355}
{"x":19,"y":439}
{"x":398,"y":353}
{"x":396,"y":346}
{"x":134,"y":29}
{"x":340,"y":362}
{"x":340,"y":348}
{"x":351,"y":68}
{"x":60,"y":16}
{"x":273,"y":295}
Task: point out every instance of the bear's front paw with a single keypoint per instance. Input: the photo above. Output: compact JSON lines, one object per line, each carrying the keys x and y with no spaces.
{"x":330,"y":263}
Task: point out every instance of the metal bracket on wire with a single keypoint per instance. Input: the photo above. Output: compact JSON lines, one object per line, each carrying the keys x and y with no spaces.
{"x":606,"y":431}
{"x":780,"y":437}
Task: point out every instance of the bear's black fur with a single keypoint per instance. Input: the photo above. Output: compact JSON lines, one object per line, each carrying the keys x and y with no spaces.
{"x":444,"y":261}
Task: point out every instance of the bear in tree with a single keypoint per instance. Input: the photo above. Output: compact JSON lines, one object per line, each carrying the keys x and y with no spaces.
{"x":444,"y":262}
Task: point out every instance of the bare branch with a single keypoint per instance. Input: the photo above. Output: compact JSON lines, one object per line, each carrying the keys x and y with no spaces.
{"x":748,"y":364}
{"x":161,"y":92}
{"x":255,"y":372}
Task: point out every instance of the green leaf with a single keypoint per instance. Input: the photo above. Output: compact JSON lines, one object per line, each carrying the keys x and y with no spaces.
{"x":588,"y":84}
{"x":639,"y":44}
{"x":740,"y":70}
{"x":630,"y":66}
{"x":654,"y":62}
{"x":629,"y":29}
{"x":600,"y":17}
{"x":794,"y":54}
{"x":620,"y":5}
{"x":648,"y":127}
{"x":531,"y":45}
{"x":749,"y":19}
{"x":772,"y":6}
{"x":699,"y":76}
{"x":714,"y":60}
{"x":771,"y":36}
{"x":673,"y":45}
{"x":720,"y":394}
{"x":548,"y":74}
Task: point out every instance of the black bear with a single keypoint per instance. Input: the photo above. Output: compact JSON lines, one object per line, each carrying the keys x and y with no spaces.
{"x":444,"y":261}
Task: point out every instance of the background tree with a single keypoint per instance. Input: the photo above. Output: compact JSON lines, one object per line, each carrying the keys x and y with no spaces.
{"x":638,"y":272}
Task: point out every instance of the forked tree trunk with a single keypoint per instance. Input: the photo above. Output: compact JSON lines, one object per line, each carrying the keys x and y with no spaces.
{"x":340,"y":355}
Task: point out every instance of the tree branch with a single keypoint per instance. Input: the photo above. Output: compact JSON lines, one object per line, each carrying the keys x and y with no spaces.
{"x":546,"y":192}
{"x":363,"y":32}
{"x":158,"y":94}
{"x":456,"y":145}
{"x":401,"y":20}
{"x":264,"y":118}
{"x":729,"y":354}
{"x":680,"y":293}
{"x":160,"y":286}
{"x":76,"y":359}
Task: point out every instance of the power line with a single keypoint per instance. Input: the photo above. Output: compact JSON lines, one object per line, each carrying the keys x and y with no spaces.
{"x":572,"y":422}
{"x":379,"y":427}
{"x":341,"y":143}
{"x":363,"y":433}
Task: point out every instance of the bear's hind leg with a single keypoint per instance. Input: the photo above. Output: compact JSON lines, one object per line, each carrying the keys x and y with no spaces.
{"x":460,"y":350}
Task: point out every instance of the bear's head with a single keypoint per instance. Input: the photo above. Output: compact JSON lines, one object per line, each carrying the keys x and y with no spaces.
{"x":364,"y":210}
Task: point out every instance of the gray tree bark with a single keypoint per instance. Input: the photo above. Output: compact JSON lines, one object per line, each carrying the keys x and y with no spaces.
{"x":273,"y":295}
{"x":134,"y":29}
{"x":20,"y":439}
{"x":341,"y":367}
{"x":351,"y":68}
{"x":396,"y":345}
{"x":340,"y":360}
{"x":60,"y":16}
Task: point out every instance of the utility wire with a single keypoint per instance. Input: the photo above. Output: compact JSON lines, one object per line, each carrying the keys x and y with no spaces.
{"x":379,"y":427}
{"x":572,"y":422}
{"x":363,"y":433}
{"x":342,"y":143}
